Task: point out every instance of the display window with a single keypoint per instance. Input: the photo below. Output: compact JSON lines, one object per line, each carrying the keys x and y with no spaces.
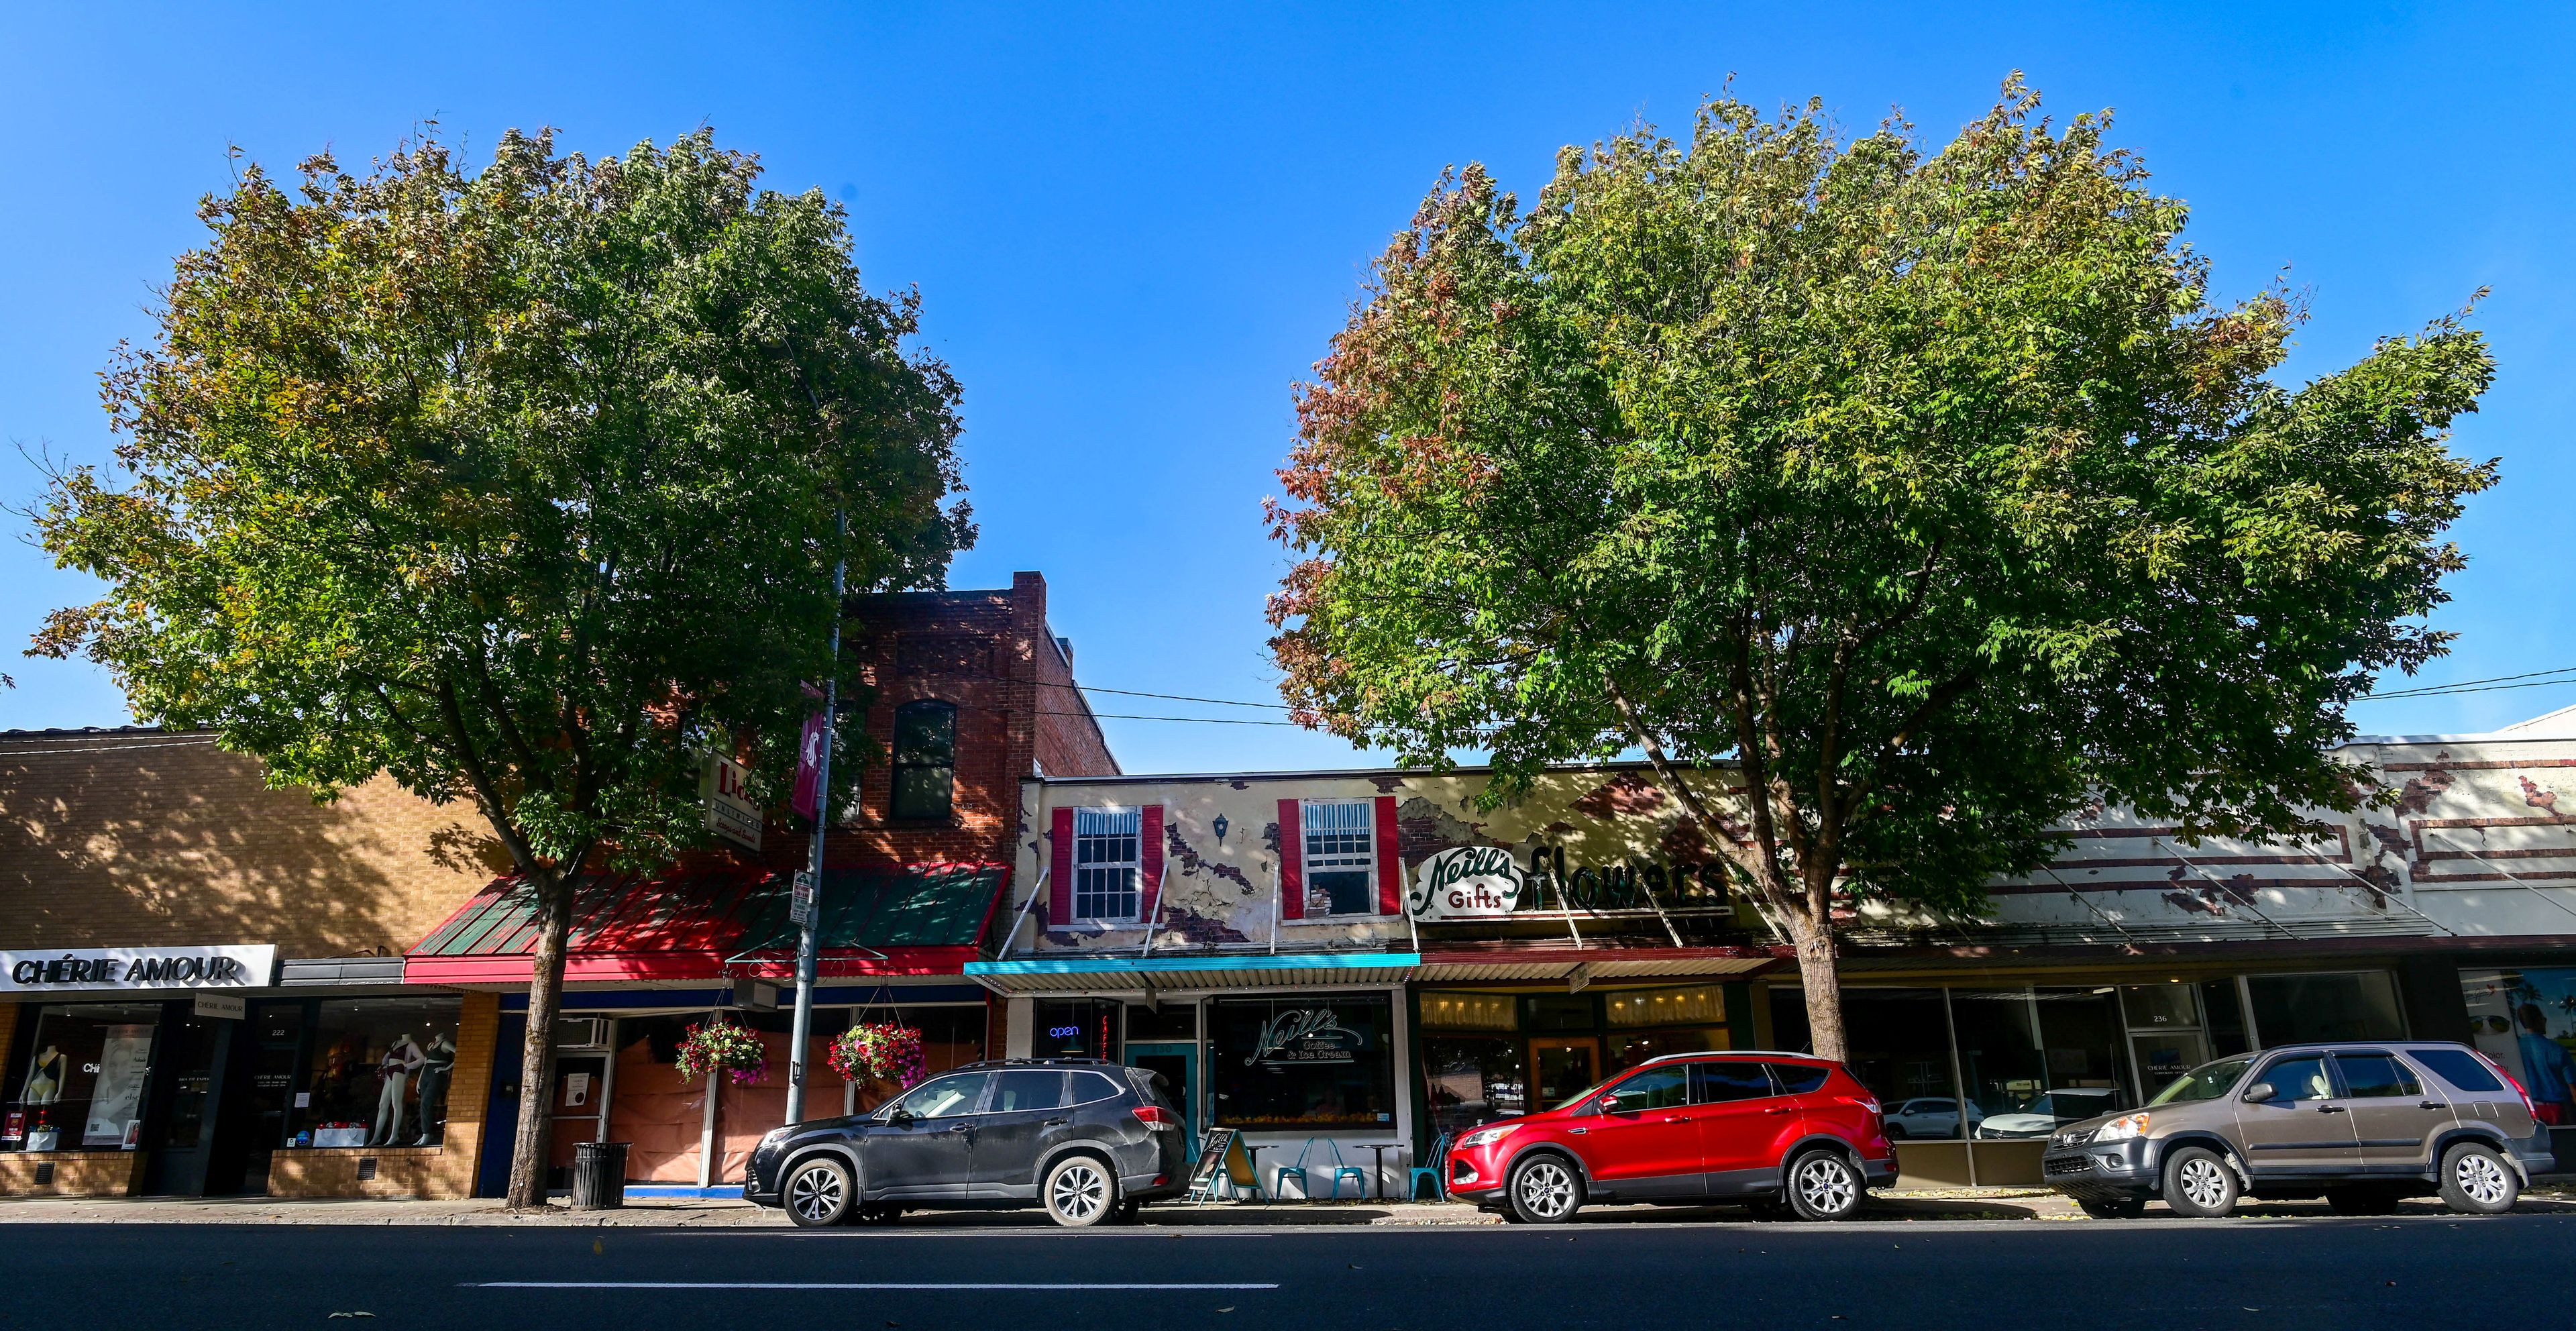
{"x":1698,"y":1005}
{"x":1076,"y":1028}
{"x":2316,"y":1008}
{"x":2525,"y":1019}
{"x":2037,"y":1058}
{"x":1473,"y":1079}
{"x":1318,"y":1061}
{"x":81,"y":1087}
{"x":378,"y":1073}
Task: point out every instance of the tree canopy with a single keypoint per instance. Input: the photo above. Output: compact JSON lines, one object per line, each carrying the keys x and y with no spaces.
{"x":1927,"y":495}
{"x":519,"y":485}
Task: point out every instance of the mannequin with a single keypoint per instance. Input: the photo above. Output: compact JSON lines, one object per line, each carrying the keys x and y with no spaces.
{"x":402,"y":1058}
{"x":45,"y":1079}
{"x":434,"y":1073}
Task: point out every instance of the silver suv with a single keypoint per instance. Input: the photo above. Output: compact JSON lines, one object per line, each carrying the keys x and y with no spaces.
{"x":2361,"y":1124}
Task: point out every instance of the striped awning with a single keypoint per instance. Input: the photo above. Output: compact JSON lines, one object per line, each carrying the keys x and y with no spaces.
{"x":1252,"y":971}
{"x":919,"y":919}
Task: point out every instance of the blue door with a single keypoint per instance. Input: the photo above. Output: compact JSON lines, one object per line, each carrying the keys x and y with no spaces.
{"x":1178,"y":1061}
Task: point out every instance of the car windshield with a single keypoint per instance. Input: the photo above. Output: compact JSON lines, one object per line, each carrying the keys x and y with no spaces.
{"x":2206,"y":1082}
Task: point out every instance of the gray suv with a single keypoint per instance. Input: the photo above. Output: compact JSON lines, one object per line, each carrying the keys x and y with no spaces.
{"x":1088,"y":1140}
{"x":2361,"y":1124}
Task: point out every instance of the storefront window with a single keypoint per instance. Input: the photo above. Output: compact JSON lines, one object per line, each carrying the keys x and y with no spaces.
{"x":1900,"y":1049}
{"x":1075,"y":1028}
{"x":1629,"y":1050}
{"x":2308,"y":1009}
{"x":1473,"y":1079}
{"x":82,"y":1085}
{"x":2036,"y":1058}
{"x":1703,"y":1004}
{"x":1320,"y":1061}
{"x":1470,"y":1012}
{"x":2525,"y":1018}
{"x":379,"y":1073}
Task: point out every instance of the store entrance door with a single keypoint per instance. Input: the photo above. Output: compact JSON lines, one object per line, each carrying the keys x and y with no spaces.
{"x":1179,"y":1066}
{"x":1564,"y":1067}
{"x":192,"y":1057}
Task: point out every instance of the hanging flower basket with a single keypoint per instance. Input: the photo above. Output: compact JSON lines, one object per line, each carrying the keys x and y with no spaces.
{"x":721,"y":1046}
{"x":878,"y":1052}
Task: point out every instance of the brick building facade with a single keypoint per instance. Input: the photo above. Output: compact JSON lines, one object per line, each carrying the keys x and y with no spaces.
{"x":344,"y":1069}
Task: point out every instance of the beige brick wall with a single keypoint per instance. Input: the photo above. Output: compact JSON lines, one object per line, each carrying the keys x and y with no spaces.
{"x":75,"y":1173}
{"x":138,"y":838}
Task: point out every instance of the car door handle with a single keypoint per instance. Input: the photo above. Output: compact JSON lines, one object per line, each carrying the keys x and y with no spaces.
{"x":1779,"y":1110}
{"x":2330,"y":1109}
{"x":1053,"y":1122}
{"x":2432,"y":1104}
{"x":1576,"y":1132}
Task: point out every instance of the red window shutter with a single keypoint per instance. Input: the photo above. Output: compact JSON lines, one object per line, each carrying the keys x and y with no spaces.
{"x":1292,"y":863}
{"x":1060,"y":877}
{"x":1390,"y":859}
{"x":1149,"y":862}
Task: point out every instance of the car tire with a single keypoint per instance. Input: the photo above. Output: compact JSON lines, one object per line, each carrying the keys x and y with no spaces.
{"x":1824,"y":1185}
{"x":1080,"y":1192}
{"x":1545,"y":1189}
{"x":818,"y":1193}
{"x":2113,"y":1208}
{"x":2199,"y":1183}
{"x":2476,"y":1180}
{"x":2362,"y":1199}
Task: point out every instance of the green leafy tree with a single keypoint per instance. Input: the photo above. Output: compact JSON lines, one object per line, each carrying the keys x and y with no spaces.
{"x":1894,"y":503}
{"x":519,"y":485}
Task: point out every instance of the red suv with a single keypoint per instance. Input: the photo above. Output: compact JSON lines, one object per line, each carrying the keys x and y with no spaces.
{"x":1772,"y":1130}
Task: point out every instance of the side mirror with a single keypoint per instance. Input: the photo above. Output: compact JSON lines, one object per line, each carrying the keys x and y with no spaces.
{"x":900,"y":1117}
{"x":1609,"y":1104}
{"x":2259,"y":1092}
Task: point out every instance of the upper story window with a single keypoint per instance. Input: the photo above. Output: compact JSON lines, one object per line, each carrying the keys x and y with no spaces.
{"x":1341,"y":856}
{"x":1107,"y":862}
{"x":925,"y":760}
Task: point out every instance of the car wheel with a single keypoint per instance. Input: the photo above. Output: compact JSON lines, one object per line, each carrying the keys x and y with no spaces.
{"x":2477,"y":1181}
{"x":1080,"y":1192}
{"x":1823,"y":1186}
{"x":1545,"y":1190}
{"x":2113,"y":1208}
{"x":2199,"y":1183}
{"x":819,"y":1193}
{"x":2362,"y":1200}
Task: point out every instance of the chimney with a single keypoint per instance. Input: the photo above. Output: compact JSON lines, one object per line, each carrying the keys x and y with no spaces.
{"x":1065,"y":645}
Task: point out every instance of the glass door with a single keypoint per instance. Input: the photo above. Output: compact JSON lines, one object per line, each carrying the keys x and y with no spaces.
{"x":2167,"y":1036}
{"x":1566,"y":1066}
{"x":1179,"y":1066}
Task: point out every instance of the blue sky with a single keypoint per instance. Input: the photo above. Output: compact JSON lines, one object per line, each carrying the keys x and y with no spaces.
{"x":1133,"y":229}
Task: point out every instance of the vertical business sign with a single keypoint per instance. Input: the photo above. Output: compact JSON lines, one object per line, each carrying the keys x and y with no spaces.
{"x":730,"y":812}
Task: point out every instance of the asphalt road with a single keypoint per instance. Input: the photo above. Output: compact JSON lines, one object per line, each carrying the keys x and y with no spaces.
{"x":2423,"y":1271}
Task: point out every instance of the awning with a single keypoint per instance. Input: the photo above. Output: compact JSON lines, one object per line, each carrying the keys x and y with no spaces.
{"x":921,"y":919}
{"x":1215,"y":970}
{"x":1519,"y":961}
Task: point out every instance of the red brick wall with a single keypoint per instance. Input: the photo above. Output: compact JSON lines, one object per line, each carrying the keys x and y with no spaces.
{"x":992,"y":655}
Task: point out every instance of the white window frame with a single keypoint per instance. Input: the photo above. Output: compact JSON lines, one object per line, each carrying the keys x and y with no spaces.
{"x":1103,"y":819}
{"x":1364,"y":859}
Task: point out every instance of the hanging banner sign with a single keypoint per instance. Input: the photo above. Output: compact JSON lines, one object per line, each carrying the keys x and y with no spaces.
{"x":243,"y":966}
{"x":807,"y":799}
{"x":730,"y":812}
{"x":1466,"y":883}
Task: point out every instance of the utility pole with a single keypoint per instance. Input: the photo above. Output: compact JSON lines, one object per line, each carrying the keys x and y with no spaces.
{"x":807,"y":946}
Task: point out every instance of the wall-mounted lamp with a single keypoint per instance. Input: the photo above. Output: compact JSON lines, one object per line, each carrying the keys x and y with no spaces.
{"x":1219,"y":825}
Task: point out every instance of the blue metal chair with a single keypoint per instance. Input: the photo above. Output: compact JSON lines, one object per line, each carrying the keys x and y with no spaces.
{"x":1436,"y":1173}
{"x":1306,"y":1188}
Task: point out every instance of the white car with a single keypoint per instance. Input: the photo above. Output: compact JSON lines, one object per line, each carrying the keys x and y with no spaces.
{"x":1931,"y":1116}
{"x":2050,"y":1109}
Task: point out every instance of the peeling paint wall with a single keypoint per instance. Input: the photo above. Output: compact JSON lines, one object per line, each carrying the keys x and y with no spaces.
{"x":1223,"y":889}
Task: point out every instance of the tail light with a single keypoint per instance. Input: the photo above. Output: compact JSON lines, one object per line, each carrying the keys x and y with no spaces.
{"x":1155,"y":1116}
{"x":2515,"y":1082}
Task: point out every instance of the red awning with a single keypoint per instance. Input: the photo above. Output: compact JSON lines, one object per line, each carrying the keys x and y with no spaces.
{"x":921,"y":919}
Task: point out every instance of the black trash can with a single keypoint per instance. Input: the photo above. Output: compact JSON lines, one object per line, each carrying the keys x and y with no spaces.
{"x":598,"y":1176}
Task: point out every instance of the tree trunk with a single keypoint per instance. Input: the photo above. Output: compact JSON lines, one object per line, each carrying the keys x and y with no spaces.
{"x":1824,"y":987}
{"x":545,"y":1000}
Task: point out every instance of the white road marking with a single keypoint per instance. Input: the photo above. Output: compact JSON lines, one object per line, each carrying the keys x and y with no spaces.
{"x":831,"y":1284}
